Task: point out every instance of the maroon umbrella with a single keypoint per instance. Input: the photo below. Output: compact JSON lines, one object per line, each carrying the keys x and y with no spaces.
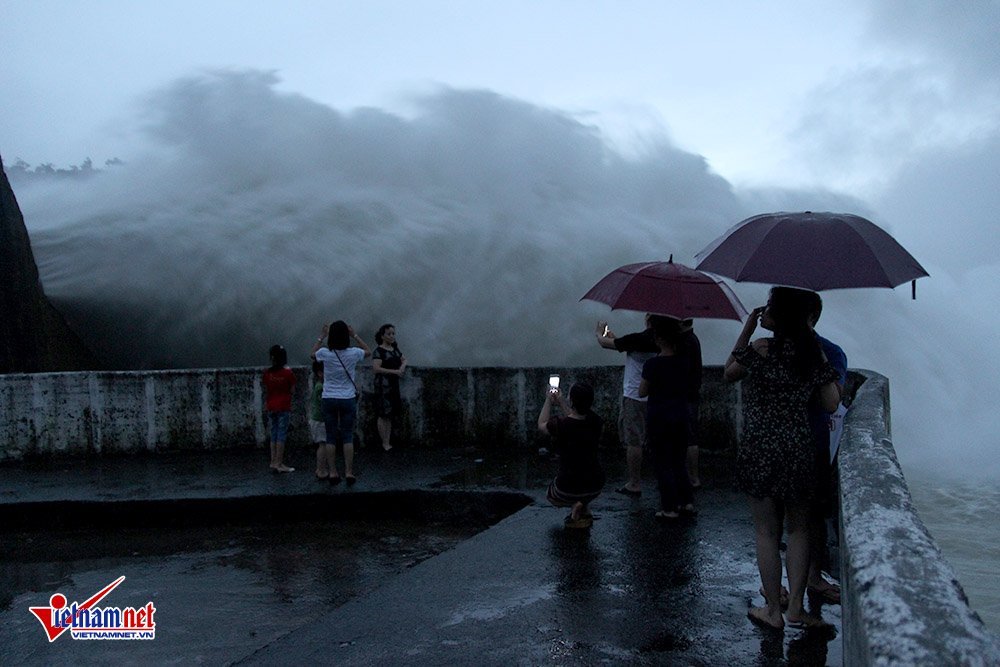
{"x":665,"y":288}
{"x":816,"y":251}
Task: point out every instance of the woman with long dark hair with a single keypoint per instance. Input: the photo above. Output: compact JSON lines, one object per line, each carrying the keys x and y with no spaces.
{"x":388,"y":365}
{"x":340,"y":393}
{"x":776,"y":465}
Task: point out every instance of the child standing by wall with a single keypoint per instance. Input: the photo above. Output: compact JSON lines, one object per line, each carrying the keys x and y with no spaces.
{"x":278,"y":381}
{"x":317,"y":429}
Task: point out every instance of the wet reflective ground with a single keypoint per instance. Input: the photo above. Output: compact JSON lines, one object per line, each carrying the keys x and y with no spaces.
{"x":217,"y":590}
{"x":278,"y":569}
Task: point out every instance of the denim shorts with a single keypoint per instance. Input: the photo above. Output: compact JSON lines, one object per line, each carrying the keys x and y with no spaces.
{"x":338,"y":414}
{"x":278,"y":422}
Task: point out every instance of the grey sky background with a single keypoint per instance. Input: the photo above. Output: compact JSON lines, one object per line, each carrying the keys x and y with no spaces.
{"x":386,"y":143}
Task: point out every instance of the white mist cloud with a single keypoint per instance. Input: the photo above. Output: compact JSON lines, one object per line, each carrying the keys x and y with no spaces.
{"x":252,"y":217}
{"x":474,"y":224}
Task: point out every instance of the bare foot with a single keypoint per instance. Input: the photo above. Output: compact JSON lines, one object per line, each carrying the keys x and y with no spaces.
{"x":830,"y":593}
{"x":763,"y":617}
{"x":689,"y":510}
{"x":281,"y":467}
{"x":782,"y":597}
{"x":809,"y":622}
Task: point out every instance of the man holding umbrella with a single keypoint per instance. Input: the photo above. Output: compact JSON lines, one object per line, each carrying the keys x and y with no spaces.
{"x":638,"y":347}
{"x":668,"y":289}
{"x":819,"y":423}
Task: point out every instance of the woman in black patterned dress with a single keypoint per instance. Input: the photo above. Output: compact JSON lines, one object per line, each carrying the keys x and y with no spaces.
{"x":388,"y":364}
{"x":776,"y":465}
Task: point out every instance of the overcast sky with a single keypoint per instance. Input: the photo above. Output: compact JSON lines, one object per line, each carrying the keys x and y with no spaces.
{"x":775,"y":91}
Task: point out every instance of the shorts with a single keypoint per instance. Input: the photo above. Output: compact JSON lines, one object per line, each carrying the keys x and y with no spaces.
{"x":317,"y":430}
{"x":338,"y":415}
{"x":278,"y":423}
{"x":632,"y":422}
{"x":561,"y":498}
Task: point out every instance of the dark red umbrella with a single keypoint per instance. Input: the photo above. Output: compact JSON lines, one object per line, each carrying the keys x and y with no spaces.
{"x":816,"y":251}
{"x":665,"y":288}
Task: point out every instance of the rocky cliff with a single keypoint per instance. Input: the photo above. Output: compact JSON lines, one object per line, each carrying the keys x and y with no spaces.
{"x":34,"y":337}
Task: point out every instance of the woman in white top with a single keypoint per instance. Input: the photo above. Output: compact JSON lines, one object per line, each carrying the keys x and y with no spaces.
{"x":340,"y":392}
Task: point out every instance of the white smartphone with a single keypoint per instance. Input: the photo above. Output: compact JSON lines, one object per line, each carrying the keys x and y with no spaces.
{"x":553,"y":382}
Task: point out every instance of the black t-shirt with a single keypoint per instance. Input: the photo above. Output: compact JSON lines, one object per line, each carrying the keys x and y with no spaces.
{"x":577,"y":441}
{"x":668,"y":388}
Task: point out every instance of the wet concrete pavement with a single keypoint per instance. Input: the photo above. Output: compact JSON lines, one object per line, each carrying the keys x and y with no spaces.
{"x":524,"y":591}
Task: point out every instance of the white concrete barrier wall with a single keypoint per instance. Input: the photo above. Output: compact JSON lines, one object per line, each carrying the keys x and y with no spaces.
{"x":204,"y":409}
{"x":902,"y":601}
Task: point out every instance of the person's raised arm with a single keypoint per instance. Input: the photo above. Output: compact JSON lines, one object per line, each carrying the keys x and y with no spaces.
{"x":319,"y":341}
{"x":605,"y":338}
{"x":357,"y":339}
{"x":546,"y":413}
{"x":734,"y":370}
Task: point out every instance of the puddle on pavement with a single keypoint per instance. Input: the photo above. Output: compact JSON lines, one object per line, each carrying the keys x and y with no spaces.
{"x":220,"y":592}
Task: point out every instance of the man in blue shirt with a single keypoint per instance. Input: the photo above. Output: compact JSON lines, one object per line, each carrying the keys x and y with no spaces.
{"x":819,"y":422}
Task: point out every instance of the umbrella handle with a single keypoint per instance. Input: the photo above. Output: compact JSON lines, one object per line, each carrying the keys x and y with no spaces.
{"x":913,"y":287}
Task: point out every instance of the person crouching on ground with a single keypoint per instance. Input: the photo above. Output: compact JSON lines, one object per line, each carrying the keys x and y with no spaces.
{"x":576,"y":438}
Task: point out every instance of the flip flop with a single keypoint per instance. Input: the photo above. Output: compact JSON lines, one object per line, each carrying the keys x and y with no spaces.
{"x":690,"y":513}
{"x":813,"y":624}
{"x":760,"y":622}
{"x":625,"y":491}
{"x":335,"y":479}
{"x":350,"y":479}
{"x":582,"y":522}
{"x":666,"y":517}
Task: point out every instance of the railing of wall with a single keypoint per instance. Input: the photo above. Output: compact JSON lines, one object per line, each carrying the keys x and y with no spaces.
{"x":902,"y":601}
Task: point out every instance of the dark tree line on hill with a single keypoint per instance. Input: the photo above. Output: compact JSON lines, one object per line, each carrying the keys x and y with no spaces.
{"x":21,"y":170}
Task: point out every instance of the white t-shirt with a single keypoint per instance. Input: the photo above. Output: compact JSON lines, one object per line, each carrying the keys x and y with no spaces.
{"x":634,"y":361}
{"x":337,"y":383}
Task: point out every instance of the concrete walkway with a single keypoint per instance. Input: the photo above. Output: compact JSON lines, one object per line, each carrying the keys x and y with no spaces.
{"x":525,"y":591}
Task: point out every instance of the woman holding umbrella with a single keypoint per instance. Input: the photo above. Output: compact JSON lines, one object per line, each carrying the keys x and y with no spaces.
{"x":776,"y":464}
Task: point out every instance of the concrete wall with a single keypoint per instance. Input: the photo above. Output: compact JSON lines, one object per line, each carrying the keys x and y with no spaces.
{"x":902,"y":601}
{"x":136,"y":411}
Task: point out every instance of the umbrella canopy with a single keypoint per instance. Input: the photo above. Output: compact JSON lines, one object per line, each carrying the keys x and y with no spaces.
{"x":816,"y":251}
{"x":665,"y":288}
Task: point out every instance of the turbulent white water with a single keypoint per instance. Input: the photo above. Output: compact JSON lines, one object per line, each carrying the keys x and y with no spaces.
{"x":963,"y":515}
{"x":246,"y":217}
